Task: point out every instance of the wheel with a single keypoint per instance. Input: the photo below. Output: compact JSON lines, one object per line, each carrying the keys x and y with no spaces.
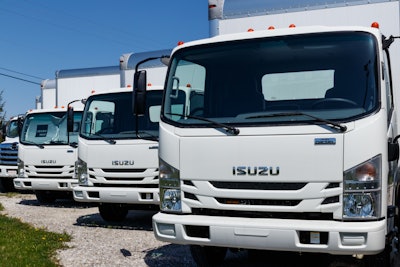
{"x":45,"y":197}
{"x":6,"y":185}
{"x":382,"y":259}
{"x":2,"y":187}
{"x":208,"y":256}
{"x":113,"y":212}
{"x":334,"y":103}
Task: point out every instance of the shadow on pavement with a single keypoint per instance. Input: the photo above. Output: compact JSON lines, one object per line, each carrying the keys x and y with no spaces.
{"x":59,"y":203}
{"x":135,"y":220}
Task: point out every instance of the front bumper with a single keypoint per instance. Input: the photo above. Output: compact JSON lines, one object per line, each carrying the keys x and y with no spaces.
{"x":132,"y":195}
{"x":48,"y":184}
{"x":343,"y":238}
{"x":8,"y":171}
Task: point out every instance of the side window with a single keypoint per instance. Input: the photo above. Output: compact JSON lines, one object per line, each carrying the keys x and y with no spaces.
{"x":187,"y":83}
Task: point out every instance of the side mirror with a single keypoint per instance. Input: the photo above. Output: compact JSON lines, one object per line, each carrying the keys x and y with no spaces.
{"x":20,"y":123}
{"x":139,"y":92}
{"x":393,"y":149}
{"x":70,"y":119}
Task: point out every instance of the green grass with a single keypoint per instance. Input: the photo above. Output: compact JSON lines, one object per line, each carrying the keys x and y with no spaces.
{"x":24,"y":245}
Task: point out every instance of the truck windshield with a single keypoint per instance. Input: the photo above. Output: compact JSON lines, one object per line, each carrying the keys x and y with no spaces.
{"x":110,"y":116}
{"x":12,"y":129}
{"x":49,"y":128}
{"x":331,"y":76}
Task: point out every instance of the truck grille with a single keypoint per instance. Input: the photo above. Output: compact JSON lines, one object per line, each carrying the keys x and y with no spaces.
{"x":118,"y":177}
{"x":63,"y":172}
{"x":310,"y":201}
{"x":8,"y":154}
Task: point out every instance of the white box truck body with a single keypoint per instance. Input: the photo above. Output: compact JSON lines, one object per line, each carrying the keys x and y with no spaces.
{"x":81,"y":83}
{"x":46,"y":159}
{"x":156,"y":70}
{"x":48,"y":90}
{"x":126,"y":176}
{"x":285,"y":140}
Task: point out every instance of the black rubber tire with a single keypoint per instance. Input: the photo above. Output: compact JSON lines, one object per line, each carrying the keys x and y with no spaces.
{"x":113,"y":212}
{"x":208,"y":256}
{"x":382,"y":259}
{"x":45,"y":197}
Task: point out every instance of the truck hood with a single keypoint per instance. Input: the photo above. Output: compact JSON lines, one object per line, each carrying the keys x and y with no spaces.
{"x":48,"y":156}
{"x":124,"y":154}
{"x":272,"y":158}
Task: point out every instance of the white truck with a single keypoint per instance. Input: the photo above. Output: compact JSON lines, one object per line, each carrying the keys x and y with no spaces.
{"x":125,"y":177}
{"x":47,"y":152}
{"x":286,"y":138}
{"x":9,"y":148}
{"x":9,"y":154}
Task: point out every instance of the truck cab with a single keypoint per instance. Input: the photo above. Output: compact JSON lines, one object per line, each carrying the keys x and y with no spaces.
{"x":117,"y":165}
{"x":283,"y":140}
{"x":47,"y":154}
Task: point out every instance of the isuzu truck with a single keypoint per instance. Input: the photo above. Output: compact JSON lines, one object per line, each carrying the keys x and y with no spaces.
{"x":283,"y":139}
{"x":47,"y":152}
{"x":125,"y":177}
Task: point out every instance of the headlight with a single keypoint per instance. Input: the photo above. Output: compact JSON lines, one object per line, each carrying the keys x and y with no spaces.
{"x":81,"y":172}
{"x":362,"y":191}
{"x":20,"y":168}
{"x":170,"y":189}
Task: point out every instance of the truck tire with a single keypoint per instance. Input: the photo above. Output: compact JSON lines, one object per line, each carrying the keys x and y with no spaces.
{"x":7,"y":185}
{"x":382,"y":259}
{"x":2,"y":188}
{"x":45,"y":197}
{"x":208,"y":256}
{"x":113,"y":212}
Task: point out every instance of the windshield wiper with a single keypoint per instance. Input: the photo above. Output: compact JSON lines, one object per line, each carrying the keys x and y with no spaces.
{"x":227,"y":128}
{"x":149,"y":136}
{"x":106,"y":139}
{"x":333,"y":124}
{"x":74,"y":144}
{"x":33,"y":143}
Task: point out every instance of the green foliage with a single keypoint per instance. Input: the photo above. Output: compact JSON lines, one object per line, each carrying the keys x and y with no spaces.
{"x":2,"y":115}
{"x":23,"y":245}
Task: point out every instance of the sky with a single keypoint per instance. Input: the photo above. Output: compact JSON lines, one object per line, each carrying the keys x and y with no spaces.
{"x":40,"y":37}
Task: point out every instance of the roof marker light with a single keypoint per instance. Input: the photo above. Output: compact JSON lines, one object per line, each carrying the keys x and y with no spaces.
{"x":93,"y":91}
{"x":375,"y":25}
{"x":188,"y":85}
{"x":180,"y":43}
{"x":250,"y":30}
{"x":271,"y":28}
{"x":292,"y":26}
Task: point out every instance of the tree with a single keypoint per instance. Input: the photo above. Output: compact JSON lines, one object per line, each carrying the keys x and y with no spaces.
{"x":2,"y":116}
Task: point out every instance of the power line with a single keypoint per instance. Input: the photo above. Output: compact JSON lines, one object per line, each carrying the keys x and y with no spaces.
{"x":22,"y":73}
{"x":24,"y":80}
